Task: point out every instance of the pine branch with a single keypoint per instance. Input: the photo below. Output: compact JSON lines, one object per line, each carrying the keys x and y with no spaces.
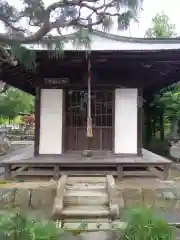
{"x":5,"y":57}
{"x":61,"y":22}
{"x":60,"y":15}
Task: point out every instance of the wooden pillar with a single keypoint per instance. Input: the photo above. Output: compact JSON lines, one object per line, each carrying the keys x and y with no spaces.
{"x":8,"y":172}
{"x":37,"y":121}
{"x":140,"y":122}
{"x":147,"y":123}
{"x":166,"y":171}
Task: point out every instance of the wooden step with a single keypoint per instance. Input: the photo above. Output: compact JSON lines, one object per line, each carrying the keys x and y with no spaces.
{"x":85,"y":211}
{"x":34,"y":173}
{"x":90,"y":173}
{"x":76,"y":197}
{"x":92,"y":179}
{"x":86,"y":186}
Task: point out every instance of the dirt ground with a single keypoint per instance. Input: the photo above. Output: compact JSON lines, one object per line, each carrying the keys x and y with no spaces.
{"x":17,"y":148}
{"x":26,"y":185}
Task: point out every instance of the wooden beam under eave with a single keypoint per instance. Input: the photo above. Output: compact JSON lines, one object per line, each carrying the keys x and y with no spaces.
{"x":37,"y":120}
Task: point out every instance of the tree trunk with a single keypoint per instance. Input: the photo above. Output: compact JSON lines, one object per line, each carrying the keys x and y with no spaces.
{"x":173,"y":128}
{"x":154,"y":128}
{"x":147,"y":125}
{"x":161,"y":121}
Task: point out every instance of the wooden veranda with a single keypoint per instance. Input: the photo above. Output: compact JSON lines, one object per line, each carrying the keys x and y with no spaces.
{"x":71,"y":163}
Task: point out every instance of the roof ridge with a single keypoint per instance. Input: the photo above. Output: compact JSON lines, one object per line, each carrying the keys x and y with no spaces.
{"x":135,"y":39}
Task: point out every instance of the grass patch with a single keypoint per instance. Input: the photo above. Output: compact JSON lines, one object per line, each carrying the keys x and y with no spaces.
{"x":144,"y":224}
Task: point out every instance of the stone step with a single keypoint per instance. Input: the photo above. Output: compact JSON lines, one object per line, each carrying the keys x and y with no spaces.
{"x":86,"y":186}
{"x":85,"y":211}
{"x":76,"y":197}
{"x":93,"y":224}
{"x":87,"y":220}
{"x":81,"y":179}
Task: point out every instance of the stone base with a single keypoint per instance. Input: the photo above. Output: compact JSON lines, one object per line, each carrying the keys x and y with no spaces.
{"x":87,"y":153}
{"x":31,"y":198}
{"x":33,"y":201}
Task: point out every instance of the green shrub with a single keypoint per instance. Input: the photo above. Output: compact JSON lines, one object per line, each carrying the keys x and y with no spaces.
{"x":143,"y":224}
{"x":18,"y":227}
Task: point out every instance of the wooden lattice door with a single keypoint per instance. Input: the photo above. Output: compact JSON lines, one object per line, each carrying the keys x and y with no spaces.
{"x":76,"y":119}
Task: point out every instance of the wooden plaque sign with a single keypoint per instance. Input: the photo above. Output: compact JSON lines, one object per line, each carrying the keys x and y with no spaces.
{"x":56,"y":81}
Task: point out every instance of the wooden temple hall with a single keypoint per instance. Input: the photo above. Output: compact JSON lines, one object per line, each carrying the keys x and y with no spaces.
{"x":122,"y":73}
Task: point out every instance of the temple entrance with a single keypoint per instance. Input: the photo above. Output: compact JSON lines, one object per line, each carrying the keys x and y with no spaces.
{"x":76,"y":119}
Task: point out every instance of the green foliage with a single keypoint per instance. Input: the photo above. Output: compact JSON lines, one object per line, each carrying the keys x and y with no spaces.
{"x":143,"y":224}
{"x":14,"y":101}
{"x":58,"y":50}
{"x":82,"y":38}
{"x":107,"y":23}
{"x":170,"y":102}
{"x":161,"y":27}
{"x":124,"y":20}
{"x":165,"y":104}
{"x":18,"y":227}
{"x":132,"y":8}
{"x":24,"y":56}
{"x":2,"y":120}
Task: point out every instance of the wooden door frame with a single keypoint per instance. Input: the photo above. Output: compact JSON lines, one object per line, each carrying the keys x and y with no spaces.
{"x":113,"y":121}
{"x":37,"y":122}
{"x":64,"y":120}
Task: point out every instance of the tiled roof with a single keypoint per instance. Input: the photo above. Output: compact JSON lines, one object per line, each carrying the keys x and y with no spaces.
{"x":102,"y":41}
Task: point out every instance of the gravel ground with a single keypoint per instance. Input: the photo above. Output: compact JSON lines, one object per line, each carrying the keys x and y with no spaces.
{"x":16,"y":149}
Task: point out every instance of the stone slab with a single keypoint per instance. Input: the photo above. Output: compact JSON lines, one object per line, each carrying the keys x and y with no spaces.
{"x":7,"y":198}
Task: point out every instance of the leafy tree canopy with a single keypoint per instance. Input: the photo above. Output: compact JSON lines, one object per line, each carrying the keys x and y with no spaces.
{"x":161,"y":27}
{"x":14,"y":101}
{"x":76,"y":16}
{"x":167,"y":101}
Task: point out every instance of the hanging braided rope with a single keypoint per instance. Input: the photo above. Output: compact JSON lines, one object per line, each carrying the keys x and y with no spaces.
{"x":89,"y":118}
